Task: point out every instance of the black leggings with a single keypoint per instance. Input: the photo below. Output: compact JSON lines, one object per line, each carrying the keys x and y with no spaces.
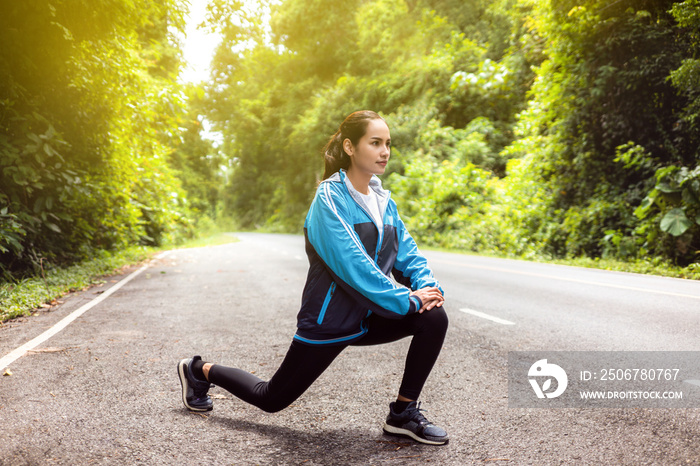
{"x":303,"y":363}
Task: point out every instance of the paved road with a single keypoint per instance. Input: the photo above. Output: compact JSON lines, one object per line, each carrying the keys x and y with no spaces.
{"x":105,"y":391}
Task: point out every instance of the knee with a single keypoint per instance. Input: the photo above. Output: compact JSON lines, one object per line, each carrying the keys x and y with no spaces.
{"x":272,"y":408}
{"x":274,"y":405}
{"x":436,"y":320}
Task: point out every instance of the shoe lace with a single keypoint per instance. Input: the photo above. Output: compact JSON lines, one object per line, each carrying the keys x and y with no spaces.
{"x":417,"y":414}
{"x":200,"y":389}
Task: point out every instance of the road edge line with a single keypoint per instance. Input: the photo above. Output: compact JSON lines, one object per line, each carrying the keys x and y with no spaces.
{"x":574,"y":280}
{"x":14,"y":355}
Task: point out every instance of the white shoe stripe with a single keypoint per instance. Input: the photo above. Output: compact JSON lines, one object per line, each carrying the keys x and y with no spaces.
{"x":407,"y":433}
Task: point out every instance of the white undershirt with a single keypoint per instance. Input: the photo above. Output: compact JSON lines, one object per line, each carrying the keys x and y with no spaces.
{"x":373,"y":203}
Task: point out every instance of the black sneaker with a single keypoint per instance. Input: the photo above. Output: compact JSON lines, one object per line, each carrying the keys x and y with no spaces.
{"x":412,"y":424}
{"x":194,"y":391}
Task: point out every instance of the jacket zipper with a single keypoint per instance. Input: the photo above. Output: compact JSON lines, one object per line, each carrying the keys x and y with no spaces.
{"x":326,"y":301}
{"x":380,"y":231}
{"x":379,"y":240}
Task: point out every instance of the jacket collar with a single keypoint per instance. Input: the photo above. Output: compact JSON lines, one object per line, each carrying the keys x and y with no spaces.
{"x":375,"y":184}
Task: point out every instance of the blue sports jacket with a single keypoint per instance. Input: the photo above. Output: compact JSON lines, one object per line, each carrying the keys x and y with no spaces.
{"x":350,"y":262}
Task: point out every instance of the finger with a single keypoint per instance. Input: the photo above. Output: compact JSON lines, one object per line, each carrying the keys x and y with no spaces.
{"x":437,"y":303}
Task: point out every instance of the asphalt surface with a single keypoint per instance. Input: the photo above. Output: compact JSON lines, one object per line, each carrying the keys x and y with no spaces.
{"x":105,"y":389}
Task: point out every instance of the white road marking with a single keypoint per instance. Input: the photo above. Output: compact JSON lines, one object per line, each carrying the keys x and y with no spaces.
{"x":693,"y":382}
{"x":498,"y":320}
{"x":573,"y":280}
{"x":8,"y":359}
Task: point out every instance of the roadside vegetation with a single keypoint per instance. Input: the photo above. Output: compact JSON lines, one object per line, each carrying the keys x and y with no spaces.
{"x":36,"y":293}
{"x":548,"y":130}
{"x":561,"y":131}
{"x":24,"y":296}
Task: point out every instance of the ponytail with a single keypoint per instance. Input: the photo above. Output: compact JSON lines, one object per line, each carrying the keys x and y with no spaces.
{"x":352,"y":128}
{"x":335,"y":156}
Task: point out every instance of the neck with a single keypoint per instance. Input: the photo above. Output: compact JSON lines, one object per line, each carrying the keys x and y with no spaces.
{"x":360,"y":181}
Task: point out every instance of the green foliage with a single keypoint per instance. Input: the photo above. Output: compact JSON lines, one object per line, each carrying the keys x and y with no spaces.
{"x":529,"y":128}
{"x":686,"y":78}
{"x":23,"y":296}
{"x":442,"y":202}
{"x":606,"y":82}
{"x":279,"y":95}
{"x":198,"y":164}
{"x":89,"y":110}
{"x":556,"y":129}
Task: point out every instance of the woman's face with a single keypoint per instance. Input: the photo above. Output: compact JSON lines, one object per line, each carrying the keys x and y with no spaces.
{"x":371,"y":153}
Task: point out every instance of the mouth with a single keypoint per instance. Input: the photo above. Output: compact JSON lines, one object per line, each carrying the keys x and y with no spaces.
{"x":382,"y":163}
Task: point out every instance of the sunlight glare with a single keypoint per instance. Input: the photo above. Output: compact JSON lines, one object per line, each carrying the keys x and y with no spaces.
{"x":198,"y":45}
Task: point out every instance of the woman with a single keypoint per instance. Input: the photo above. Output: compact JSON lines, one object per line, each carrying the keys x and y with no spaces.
{"x":354,"y":240}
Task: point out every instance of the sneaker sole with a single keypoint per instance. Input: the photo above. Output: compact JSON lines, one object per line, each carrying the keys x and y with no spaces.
{"x":398,"y":431}
{"x":185,"y":387}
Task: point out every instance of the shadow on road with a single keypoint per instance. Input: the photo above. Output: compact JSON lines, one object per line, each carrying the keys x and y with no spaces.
{"x":299,"y":445}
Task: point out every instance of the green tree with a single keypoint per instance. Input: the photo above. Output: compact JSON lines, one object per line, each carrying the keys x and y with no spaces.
{"x":279,"y":93}
{"x":89,"y":106}
{"x":197,"y":162}
{"x":605,"y":83}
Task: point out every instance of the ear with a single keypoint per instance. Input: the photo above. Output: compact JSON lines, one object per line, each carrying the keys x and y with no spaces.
{"x":347,"y":145}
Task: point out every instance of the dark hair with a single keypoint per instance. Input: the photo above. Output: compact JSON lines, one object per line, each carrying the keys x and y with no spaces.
{"x":353,"y":127}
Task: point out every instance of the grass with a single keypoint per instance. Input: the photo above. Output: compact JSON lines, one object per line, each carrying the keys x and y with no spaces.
{"x":23,"y":297}
{"x":210,"y":240}
{"x":642,"y":266}
{"x":654,"y":266}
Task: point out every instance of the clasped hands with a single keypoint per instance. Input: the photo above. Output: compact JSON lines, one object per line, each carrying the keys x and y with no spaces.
{"x":430,"y":296}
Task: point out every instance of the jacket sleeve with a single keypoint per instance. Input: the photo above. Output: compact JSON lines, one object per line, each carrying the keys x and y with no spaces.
{"x":334,"y":239}
{"x":411,"y":267}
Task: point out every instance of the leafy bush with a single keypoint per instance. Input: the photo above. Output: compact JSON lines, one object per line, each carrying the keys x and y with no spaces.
{"x":89,"y":113}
